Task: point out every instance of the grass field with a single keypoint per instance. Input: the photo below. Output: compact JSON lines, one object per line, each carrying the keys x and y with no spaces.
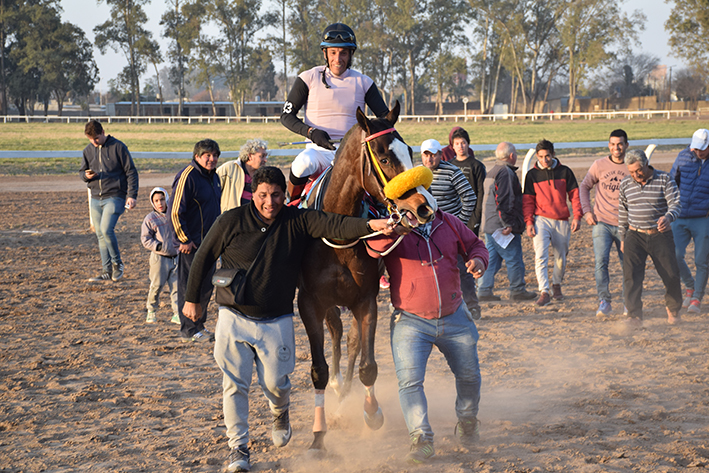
{"x":181,"y":137}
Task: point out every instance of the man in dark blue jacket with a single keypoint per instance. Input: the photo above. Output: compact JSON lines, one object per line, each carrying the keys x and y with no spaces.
{"x":107,"y":168}
{"x":691,"y":173}
{"x":195,"y":206}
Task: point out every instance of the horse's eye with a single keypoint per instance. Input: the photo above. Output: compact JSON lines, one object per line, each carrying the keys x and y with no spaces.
{"x":385,"y":161}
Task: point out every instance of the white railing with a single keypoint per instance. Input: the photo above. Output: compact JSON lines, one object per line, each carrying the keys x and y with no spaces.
{"x":627,"y":114}
{"x":4,"y":154}
{"x":127,"y":119}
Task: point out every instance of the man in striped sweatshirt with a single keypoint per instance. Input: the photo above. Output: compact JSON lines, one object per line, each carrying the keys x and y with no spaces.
{"x":648,"y":203}
{"x":453,"y":194}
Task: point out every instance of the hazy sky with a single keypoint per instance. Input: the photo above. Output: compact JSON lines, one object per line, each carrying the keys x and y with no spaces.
{"x":87,"y":14}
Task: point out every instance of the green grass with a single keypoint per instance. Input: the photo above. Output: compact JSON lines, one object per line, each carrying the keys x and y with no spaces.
{"x":182,"y":137}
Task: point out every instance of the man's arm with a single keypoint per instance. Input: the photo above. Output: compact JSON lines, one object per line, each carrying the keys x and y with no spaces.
{"x":297,"y":98}
{"x":466,"y":194}
{"x":589,"y":181}
{"x":85,"y":167}
{"x":622,"y":212}
{"x":479,"y":175}
{"x":673,"y":203}
{"x":375,"y":102}
{"x":181,"y":196}
{"x":130,"y":171}
{"x":505,"y":198}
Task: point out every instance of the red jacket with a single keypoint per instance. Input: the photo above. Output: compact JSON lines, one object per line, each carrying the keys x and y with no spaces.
{"x":545,"y":192}
{"x":429,"y":290}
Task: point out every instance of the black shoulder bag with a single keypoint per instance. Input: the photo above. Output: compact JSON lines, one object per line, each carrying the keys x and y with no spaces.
{"x":231,"y":282}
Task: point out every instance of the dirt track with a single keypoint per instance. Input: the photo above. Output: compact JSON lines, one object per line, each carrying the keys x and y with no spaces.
{"x":85,"y":385}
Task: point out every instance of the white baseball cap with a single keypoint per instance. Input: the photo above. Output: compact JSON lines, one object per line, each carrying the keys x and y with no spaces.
{"x":700,"y":139}
{"x":433,"y":146}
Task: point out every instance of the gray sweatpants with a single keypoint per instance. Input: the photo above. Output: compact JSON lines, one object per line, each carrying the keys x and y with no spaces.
{"x":239,"y":343}
{"x":163,"y":269}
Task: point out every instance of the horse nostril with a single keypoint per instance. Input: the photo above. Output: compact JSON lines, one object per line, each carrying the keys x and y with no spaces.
{"x":424,"y":211}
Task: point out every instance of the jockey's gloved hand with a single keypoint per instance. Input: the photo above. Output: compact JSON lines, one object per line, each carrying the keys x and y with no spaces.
{"x":321,"y":138}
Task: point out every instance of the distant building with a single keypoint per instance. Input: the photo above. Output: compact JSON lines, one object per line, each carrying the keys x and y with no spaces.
{"x":195,"y":109}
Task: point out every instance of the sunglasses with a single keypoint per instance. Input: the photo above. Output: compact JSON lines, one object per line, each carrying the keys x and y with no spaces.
{"x":342,"y":35}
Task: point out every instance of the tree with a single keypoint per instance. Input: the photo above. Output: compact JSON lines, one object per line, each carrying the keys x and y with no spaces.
{"x":688,"y":26}
{"x":587,"y":30}
{"x":239,"y":20}
{"x":305,"y":22}
{"x":443,"y":73}
{"x":264,"y":74}
{"x":690,"y":84}
{"x":182,"y":26}
{"x":204,"y":65}
{"x":125,"y":32}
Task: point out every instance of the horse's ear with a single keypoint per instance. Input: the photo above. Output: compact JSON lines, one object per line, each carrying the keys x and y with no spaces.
{"x":393,"y":114}
{"x":362,"y":120}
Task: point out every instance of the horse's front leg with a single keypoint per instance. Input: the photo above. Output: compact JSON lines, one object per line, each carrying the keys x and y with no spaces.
{"x":334,"y":326}
{"x":373,"y":415}
{"x":312,"y":316}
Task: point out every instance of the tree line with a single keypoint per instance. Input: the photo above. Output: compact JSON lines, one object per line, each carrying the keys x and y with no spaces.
{"x":411,"y":48}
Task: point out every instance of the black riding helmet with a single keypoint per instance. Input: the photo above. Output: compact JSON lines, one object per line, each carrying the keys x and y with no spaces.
{"x":338,"y":35}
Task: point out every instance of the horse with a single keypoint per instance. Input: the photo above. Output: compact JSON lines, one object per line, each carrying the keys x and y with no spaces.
{"x":370,"y":155}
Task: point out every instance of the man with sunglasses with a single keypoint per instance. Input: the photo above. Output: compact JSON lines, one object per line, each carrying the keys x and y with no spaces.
{"x":331,"y":95}
{"x":429,"y":310}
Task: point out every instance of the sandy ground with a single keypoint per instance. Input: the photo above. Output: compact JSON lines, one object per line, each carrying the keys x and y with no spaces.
{"x":86,"y":385}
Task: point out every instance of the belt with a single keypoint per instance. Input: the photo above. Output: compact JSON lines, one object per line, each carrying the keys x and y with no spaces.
{"x":649,"y":231}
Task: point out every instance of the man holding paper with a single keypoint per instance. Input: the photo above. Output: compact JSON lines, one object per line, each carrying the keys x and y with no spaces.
{"x":503,"y":224}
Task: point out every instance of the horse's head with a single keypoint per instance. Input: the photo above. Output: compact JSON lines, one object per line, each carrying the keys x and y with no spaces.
{"x":385,"y":156}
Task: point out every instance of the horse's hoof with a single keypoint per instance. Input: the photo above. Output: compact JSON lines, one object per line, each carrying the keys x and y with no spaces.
{"x":336,"y":384}
{"x":317,"y":448}
{"x":374,"y":421}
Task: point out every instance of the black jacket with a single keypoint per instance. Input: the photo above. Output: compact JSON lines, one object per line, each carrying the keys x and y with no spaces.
{"x":237,"y":237}
{"x":116,"y":175}
{"x":195,"y":203}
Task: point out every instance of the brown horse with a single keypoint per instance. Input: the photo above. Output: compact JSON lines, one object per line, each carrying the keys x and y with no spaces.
{"x":370,"y":155}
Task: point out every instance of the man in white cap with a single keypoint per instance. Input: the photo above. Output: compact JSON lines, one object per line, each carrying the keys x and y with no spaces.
{"x":454,"y":195}
{"x":691,"y":173}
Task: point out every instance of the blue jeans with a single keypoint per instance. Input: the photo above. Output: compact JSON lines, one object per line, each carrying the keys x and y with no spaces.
{"x":105,"y":213}
{"x":512,"y":256}
{"x":412,"y":339}
{"x":467,"y":285}
{"x":604,"y":237}
{"x":697,"y":229}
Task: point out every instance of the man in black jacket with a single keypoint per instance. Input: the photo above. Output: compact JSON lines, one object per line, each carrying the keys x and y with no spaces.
{"x":107,"y":168}
{"x":261,"y":330}
{"x":502,"y":224}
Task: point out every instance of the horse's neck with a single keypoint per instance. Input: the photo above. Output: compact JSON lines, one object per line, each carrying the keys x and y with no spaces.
{"x":344,"y":192}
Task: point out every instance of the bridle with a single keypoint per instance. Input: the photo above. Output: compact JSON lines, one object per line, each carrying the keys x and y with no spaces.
{"x":394,"y":214}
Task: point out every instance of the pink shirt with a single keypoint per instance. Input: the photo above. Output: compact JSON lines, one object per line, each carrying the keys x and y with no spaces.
{"x":605,"y":175}
{"x":334,"y":109}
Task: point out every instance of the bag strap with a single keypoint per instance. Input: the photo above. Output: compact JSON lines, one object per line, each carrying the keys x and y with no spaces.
{"x":445,"y":219}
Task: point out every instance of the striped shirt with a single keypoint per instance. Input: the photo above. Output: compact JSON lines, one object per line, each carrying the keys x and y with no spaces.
{"x":452,"y":191}
{"x":641,"y":206}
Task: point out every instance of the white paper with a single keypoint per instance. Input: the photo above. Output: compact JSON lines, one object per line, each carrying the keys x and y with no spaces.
{"x":502,"y":239}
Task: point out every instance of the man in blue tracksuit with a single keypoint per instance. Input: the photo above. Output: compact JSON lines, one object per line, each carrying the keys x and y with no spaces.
{"x":196,"y":201}
{"x":691,"y":173}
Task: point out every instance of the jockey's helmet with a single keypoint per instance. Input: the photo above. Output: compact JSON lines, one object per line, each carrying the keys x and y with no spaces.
{"x":338,"y":35}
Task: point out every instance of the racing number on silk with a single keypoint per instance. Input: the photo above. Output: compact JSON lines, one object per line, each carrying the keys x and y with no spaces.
{"x":288,"y":107}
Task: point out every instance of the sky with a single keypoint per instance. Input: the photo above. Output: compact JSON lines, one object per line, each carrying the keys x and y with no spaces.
{"x":89,"y":13}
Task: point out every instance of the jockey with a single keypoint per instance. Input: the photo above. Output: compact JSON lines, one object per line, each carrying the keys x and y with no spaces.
{"x":331,"y":95}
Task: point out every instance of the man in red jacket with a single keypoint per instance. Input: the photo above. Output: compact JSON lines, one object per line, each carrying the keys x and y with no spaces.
{"x":546,"y":215}
{"x":429,"y":310}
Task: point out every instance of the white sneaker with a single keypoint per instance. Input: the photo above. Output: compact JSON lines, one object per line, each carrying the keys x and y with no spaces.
{"x":151,"y":319}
